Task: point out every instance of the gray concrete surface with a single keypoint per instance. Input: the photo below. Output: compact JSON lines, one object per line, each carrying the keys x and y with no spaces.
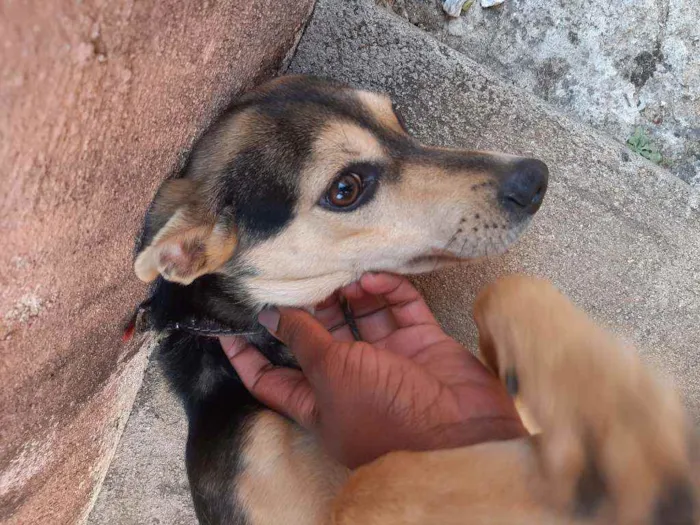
{"x":616,"y":233}
{"x":614,"y":65}
{"x":147,"y":483}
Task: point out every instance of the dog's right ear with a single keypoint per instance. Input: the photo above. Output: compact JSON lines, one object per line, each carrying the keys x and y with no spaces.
{"x":183,"y":239}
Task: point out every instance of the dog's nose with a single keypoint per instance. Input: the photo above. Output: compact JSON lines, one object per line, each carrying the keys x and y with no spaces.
{"x":523,"y":186}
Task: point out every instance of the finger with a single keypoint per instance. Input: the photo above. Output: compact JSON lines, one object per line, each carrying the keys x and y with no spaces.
{"x":305,"y":336}
{"x":373,"y":319}
{"x":283,"y":389}
{"x":406,"y":304}
{"x":360,"y":301}
{"x":376,"y":326}
{"x":331,"y":316}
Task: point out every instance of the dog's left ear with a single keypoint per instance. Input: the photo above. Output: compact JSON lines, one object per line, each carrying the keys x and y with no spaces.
{"x":182,"y":239}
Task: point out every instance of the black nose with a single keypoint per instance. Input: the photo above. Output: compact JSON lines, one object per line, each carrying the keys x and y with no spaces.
{"x":523,"y":186}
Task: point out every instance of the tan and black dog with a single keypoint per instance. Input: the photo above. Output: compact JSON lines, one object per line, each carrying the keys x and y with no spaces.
{"x":297,"y":189}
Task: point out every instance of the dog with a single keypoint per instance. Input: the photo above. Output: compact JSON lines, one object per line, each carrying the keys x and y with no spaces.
{"x":298,"y":188}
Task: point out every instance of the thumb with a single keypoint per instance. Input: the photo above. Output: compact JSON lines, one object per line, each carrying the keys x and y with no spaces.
{"x":305,"y":336}
{"x":280,"y":388}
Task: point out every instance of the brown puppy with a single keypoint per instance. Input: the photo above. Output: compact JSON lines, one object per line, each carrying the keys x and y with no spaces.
{"x":615,"y":448}
{"x":297,"y":189}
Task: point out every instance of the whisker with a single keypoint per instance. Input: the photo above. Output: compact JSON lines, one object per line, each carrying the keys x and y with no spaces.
{"x":460,"y":258}
{"x":449,"y":242}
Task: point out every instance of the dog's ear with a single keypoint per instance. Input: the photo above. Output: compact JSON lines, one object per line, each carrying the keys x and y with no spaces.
{"x":182,"y":238}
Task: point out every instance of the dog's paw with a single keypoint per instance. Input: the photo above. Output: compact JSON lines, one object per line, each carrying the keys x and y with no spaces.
{"x":615,"y":441}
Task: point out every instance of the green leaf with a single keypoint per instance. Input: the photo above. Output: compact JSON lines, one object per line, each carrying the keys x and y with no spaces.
{"x":640,"y":144}
{"x":467,"y":6}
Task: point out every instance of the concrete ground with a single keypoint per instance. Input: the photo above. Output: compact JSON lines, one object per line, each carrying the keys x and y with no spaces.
{"x":618,"y":234}
{"x":614,"y":65}
{"x":147,"y":483}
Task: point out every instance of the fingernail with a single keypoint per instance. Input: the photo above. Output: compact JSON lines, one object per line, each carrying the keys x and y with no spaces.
{"x":231,"y":345}
{"x":369,"y":276}
{"x":270,"y":318}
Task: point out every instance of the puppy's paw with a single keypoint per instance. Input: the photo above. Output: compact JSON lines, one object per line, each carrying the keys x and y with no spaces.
{"x":615,"y":440}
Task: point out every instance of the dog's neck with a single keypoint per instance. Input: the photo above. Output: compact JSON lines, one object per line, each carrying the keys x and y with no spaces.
{"x":206,"y":307}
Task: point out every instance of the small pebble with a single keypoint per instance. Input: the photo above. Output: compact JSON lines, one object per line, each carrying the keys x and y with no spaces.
{"x":491,"y":3}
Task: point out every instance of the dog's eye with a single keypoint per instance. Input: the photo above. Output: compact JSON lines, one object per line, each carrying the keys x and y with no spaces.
{"x":344,"y":190}
{"x":352,"y":187}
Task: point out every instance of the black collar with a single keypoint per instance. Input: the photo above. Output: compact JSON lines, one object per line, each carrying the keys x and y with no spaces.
{"x":208,"y":327}
{"x":139,"y":322}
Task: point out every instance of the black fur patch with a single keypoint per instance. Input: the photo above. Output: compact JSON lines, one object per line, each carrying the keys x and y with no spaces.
{"x":262,"y":190}
{"x":218,"y":406}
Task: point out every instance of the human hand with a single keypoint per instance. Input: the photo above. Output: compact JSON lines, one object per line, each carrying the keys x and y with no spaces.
{"x":406,"y":386}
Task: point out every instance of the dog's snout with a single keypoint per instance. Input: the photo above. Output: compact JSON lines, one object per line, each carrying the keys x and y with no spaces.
{"x":523,"y":187}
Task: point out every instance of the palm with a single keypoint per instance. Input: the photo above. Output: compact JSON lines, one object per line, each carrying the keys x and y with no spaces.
{"x":449,"y":386}
{"x":405,"y":386}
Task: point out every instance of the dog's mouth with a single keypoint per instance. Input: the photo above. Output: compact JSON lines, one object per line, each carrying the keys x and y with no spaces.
{"x":432,"y":261}
{"x":437,"y":256}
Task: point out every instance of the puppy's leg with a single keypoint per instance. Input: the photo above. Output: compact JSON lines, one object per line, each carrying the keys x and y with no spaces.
{"x":615,"y":440}
{"x":254,"y":467}
{"x":285,"y":476}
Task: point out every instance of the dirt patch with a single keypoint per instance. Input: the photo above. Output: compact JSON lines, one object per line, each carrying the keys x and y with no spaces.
{"x":645,"y":64}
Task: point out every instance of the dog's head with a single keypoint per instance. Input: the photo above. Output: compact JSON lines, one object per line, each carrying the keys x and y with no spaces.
{"x":303,"y":185}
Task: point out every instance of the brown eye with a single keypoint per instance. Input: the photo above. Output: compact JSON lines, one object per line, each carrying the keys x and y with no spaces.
{"x":345,"y":190}
{"x":352,"y":187}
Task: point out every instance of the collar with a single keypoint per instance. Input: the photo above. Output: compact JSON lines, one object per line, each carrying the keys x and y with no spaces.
{"x":205,"y":326}
{"x":208,"y":327}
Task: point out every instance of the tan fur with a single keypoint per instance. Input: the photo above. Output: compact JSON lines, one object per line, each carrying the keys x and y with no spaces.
{"x":593,"y":398}
{"x":178,"y":194}
{"x":492,"y":483}
{"x":381,"y":107}
{"x":587,"y":391}
{"x":223,"y":144}
{"x":338,"y":144}
{"x":185,"y":249}
{"x":285,"y":473}
{"x":388,"y":235}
